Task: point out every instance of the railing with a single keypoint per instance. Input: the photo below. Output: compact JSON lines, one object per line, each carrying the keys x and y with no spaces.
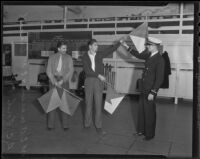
{"x":104,"y":19}
{"x":158,"y":24}
{"x":179,"y":89}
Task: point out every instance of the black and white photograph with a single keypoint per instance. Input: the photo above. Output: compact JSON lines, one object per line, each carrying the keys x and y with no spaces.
{"x":109,"y":78}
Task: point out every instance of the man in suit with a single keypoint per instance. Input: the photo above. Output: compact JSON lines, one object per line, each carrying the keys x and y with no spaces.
{"x":152,"y":79}
{"x":59,"y":70}
{"x":93,"y":68}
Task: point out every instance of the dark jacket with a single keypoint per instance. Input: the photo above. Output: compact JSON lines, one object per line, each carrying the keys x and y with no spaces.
{"x":167,"y":70}
{"x":153,"y":72}
{"x":99,"y":68}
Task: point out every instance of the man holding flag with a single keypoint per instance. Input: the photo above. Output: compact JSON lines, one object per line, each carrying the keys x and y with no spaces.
{"x":59,"y":70}
{"x":93,"y":68}
{"x":151,"y":81}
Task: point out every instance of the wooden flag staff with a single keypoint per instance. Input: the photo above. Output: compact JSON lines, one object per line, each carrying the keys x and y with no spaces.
{"x":70,"y":93}
{"x":108,"y":83}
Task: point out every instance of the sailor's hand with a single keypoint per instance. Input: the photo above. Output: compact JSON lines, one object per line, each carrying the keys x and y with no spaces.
{"x":124,"y":43}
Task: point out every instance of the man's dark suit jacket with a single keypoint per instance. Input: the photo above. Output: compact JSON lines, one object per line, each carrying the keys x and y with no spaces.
{"x":99,"y":68}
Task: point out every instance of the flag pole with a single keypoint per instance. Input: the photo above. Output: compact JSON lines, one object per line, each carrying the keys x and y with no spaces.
{"x":146,"y":20}
{"x":70,"y":93}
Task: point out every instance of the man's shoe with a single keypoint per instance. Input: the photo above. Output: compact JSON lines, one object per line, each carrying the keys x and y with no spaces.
{"x":100,"y":131}
{"x":138,"y":134}
{"x":86,"y":127}
{"x":147,"y":138}
{"x":65,"y":129}
{"x":50,"y":129}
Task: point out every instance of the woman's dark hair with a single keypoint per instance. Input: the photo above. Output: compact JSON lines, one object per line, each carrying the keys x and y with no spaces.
{"x":60,"y":43}
{"x":92,"y":41}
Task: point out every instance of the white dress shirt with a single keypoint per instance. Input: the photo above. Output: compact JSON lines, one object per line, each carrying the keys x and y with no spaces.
{"x":154,"y":53}
{"x":59,"y":64}
{"x":92,"y":58}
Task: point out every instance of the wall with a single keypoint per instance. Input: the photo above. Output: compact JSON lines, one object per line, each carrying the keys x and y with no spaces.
{"x":179,"y":47}
{"x":113,"y":11}
{"x":32,"y":12}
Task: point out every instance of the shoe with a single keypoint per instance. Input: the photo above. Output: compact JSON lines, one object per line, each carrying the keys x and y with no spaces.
{"x":138,"y":134}
{"x":147,"y":138}
{"x":65,"y":129}
{"x":100,"y":131}
{"x":50,"y":129}
{"x":87,"y":127}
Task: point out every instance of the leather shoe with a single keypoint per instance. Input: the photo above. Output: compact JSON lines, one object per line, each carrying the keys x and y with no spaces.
{"x":50,"y":129}
{"x":87,"y":127}
{"x":138,"y":134}
{"x":65,"y":129}
{"x":100,"y":131}
{"x":147,"y":138}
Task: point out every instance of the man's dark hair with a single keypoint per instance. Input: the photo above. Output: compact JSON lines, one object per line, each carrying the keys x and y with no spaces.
{"x":60,"y":43}
{"x":92,"y":41}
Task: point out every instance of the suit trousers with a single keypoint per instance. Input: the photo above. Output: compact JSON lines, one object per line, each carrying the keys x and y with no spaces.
{"x":93,"y":96}
{"x":52,"y":114}
{"x":146,"y":116}
{"x":51,"y":119}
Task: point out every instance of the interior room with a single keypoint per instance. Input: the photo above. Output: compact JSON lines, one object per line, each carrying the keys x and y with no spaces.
{"x":31,"y":33}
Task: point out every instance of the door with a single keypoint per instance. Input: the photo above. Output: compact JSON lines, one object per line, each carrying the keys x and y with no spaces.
{"x":20,"y":62}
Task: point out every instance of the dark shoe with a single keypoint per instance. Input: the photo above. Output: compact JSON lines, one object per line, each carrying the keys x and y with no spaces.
{"x":138,"y":134}
{"x":65,"y":129}
{"x":100,"y":131}
{"x":50,"y":129}
{"x":87,"y":127}
{"x":147,"y":138}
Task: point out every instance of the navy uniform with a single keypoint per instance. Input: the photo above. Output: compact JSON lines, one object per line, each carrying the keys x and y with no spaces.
{"x":151,"y":81}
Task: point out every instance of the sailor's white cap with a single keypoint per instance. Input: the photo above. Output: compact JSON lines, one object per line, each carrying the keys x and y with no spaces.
{"x":152,"y":40}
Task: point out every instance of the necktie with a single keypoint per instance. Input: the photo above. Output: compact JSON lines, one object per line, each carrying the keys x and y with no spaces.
{"x":59,"y":64}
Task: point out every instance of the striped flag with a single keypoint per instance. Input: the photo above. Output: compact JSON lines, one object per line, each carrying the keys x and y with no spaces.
{"x":70,"y":102}
{"x":50,"y":100}
{"x":136,"y":38}
{"x":113,"y":100}
{"x":60,"y":98}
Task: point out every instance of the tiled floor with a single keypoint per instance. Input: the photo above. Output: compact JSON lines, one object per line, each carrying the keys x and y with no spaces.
{"x":24,"y":129}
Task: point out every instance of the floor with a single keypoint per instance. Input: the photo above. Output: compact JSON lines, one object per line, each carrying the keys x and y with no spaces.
{"x":24,"y":129}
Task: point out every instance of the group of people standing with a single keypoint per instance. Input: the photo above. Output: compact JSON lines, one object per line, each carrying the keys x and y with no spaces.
{"x":60,"y":66}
